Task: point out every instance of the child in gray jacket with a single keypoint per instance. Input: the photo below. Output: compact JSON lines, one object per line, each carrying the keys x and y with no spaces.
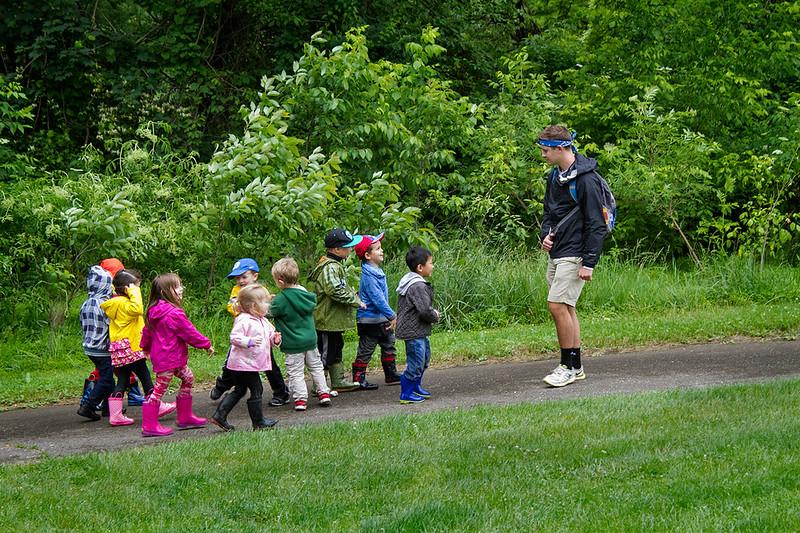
{"x":415,"y":319}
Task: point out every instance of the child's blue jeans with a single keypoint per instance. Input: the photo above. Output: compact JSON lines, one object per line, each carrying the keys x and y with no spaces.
{"x":418,"y":357}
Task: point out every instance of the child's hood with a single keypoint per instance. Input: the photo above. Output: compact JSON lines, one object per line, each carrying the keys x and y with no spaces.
{"x":160,"y":310}
{"x":302,"y":301}
{"x":98,"y":281}
{"x":407,"y":281}
{"x":317,"y":271}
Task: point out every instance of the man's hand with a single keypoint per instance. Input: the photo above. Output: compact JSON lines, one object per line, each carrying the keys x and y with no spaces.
{"x":585,"y":274}
{"x":547,"y":243}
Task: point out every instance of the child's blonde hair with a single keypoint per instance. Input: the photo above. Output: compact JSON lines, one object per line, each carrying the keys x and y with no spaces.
{"x":249,"y":296}
{"x":287,"y":270}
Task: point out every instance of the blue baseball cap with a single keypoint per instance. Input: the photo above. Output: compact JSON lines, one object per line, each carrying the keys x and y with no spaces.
{"x":243,"y":265}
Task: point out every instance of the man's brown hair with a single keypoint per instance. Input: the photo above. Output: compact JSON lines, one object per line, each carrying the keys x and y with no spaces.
{"x":556,"y":132}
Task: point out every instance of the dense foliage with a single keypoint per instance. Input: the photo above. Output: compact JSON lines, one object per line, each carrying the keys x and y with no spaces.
{"x":180,"y":136}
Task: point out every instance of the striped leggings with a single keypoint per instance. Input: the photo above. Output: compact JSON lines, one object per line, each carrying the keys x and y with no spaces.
{"x":164,"y":378}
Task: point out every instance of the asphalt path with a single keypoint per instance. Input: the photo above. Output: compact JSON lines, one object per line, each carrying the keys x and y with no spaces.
{"x":32,"y":434}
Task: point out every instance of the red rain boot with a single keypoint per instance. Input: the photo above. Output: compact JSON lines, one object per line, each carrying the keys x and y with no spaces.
{"x":150,"y":425}
{"x":186,"y":418}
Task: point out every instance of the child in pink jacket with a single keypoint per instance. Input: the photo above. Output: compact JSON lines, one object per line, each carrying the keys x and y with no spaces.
{"x":252,"y":339}
{"x":166,"y":337}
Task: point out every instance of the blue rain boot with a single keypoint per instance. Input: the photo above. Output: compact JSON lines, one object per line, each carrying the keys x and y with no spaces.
{"x":407,"y":394}
{"x":135,"y":396}
{"x":419,"y":390}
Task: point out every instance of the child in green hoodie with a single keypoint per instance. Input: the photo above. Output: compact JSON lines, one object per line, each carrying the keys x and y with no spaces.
{"x":292,"y":310}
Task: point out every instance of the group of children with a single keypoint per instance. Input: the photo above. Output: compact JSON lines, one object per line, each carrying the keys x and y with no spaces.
{"x":119,"y":335}
{"x":309,"y":325}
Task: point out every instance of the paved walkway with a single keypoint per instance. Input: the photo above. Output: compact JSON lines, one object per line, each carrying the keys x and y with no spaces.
{"x":30,"y":434}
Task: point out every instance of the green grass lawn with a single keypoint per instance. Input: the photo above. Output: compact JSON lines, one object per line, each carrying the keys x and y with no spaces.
{"x":31,"y":379}
{"x":715,"y":459}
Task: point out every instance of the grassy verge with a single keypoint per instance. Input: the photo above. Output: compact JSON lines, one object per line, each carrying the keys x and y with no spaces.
{"x":28,"y":385}
{"x":716,"y":459}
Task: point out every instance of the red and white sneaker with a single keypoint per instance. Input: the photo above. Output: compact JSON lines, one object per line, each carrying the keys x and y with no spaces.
{"x":300,"y":405}
{"x":324,"y":399}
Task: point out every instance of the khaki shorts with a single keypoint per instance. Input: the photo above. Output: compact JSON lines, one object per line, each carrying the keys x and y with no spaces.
{"x":562,"y":277}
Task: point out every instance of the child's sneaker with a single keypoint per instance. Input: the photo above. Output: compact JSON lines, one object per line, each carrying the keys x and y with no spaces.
{"x":579,"y":373}
{"x":278,"y":401}
{"x":560,"y":376}
{"x":300,"y":405}
{"x":324,"y":399}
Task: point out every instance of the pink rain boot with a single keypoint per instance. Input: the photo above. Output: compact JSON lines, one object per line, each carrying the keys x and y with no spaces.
{"x":150,"y":425}
{"x":165,"y":408}
{"x":115,"y":416}
{"x":186,"y":418}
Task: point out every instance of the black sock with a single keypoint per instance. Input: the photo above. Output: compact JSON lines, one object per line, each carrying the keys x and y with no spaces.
{"x":566,"y":358}
{"x":575,"y":357}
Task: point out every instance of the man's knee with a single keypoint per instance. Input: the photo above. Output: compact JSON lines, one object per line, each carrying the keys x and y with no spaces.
{"x":558,"y":309}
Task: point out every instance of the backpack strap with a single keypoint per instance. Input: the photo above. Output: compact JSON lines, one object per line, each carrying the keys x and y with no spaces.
{"x":573,"y":192}
{"x":564,"y":220}
{"x":573,"y":188}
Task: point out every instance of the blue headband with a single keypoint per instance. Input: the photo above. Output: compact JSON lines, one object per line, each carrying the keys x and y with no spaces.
{"x":553,"y":143}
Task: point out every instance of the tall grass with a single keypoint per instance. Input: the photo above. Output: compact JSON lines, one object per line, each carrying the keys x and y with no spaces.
{"x":478,"y":286}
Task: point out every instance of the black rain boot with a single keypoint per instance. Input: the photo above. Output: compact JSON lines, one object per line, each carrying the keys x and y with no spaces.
{"x":220,"y":416}
{"x":390,"y":369}
{"x":223,"y":384}
{"x":85,"y":410}
{"x":257,"y":415}
{"x":360,"y":377}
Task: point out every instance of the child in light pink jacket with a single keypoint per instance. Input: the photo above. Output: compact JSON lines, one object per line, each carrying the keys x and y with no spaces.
{"x":167,"y":337}
{"x":252,"y":339}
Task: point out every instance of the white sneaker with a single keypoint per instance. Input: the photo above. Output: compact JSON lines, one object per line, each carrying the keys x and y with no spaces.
{"x":579,"y":373}
{"x":560,"y":376}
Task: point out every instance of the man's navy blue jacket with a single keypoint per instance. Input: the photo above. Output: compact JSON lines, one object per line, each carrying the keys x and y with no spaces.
{"x":582,"y":235}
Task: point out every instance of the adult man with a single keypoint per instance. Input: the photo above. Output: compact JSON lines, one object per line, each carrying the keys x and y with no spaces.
{"x":573,"y":229}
